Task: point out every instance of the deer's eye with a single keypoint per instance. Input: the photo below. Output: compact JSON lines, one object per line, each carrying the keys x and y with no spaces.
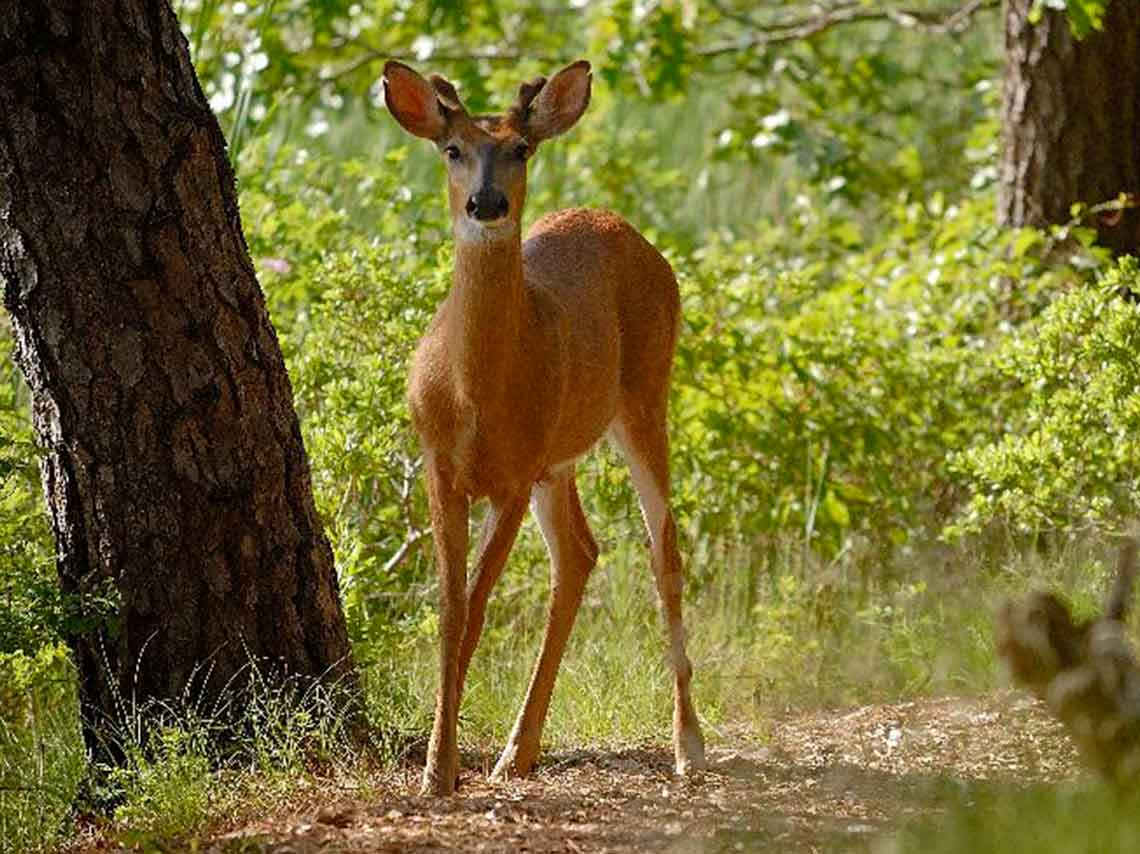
{"x":452,"y":152}
{"x":521,"y":151}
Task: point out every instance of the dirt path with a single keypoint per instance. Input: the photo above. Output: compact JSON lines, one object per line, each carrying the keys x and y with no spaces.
{"x":830,"y":782}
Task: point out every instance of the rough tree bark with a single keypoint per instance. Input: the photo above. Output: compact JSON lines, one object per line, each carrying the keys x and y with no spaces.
{"x":1071,"y":120}
{"x":175,"y":474}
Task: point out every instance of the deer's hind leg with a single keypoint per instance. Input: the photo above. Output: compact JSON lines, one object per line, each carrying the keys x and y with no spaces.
{"x":573,"y":554}
{"x":642,"y":438}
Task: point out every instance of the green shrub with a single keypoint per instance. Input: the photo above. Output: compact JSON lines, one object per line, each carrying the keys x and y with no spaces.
{"x":823,"y":404}
{"x":1071,"y":460}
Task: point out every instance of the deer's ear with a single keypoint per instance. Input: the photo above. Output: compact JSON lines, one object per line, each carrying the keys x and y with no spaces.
{"x":413,"y":101}
{"x":559,"y":103}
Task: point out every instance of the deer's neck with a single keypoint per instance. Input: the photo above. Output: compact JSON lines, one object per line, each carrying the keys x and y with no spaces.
{"x":486,"y":314}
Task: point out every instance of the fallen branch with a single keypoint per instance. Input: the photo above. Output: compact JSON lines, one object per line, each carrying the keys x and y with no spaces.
{"x":1086,"y":673}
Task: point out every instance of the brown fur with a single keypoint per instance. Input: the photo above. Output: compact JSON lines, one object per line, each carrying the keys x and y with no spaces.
{"x":538,"y":350}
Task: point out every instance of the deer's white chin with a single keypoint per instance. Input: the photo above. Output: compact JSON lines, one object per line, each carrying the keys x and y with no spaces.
{"x":473,"y":231}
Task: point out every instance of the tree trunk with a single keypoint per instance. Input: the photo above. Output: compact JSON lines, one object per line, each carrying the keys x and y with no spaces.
{"x":1071,"y":120}
{"x":175,"y":474}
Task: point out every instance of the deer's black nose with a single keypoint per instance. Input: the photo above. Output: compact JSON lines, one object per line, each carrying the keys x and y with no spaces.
{"x":487,"y":204}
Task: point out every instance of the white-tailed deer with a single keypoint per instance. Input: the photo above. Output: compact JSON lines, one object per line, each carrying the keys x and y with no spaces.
{"x":538,"y":350}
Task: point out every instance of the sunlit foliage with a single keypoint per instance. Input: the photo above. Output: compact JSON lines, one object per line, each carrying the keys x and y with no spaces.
{"x":881,"y":400}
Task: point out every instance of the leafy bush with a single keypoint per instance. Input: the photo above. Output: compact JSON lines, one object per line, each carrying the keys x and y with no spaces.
{"x":822,"y":405}
{"x":353,"y":276}
{"x":1072,"y":460}
{"x":349,"y":368}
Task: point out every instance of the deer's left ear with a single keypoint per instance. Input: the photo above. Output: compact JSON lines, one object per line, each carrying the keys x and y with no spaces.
{"x":559,"y":103}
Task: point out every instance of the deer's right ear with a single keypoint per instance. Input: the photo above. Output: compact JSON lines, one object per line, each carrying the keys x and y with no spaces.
{"x":413,"y":101}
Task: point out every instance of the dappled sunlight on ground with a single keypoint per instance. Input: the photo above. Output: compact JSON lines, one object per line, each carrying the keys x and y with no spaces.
{"x":824,"y":781}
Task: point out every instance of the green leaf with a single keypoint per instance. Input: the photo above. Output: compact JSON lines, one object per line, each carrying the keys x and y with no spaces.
{"x":1026,"y":239}
{"x":847,"y":234}
{"x":1085,"y":16}
{"x":836,"y":510}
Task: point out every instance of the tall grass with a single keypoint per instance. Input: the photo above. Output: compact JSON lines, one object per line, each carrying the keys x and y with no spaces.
{"x":177,"y":766}
{"x":42,"y":759}
{"x":811,"y":636}
{"x":802,"y":636}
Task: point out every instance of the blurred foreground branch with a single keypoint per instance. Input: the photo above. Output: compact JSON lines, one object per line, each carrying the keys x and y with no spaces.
{"x":1086,"y":673}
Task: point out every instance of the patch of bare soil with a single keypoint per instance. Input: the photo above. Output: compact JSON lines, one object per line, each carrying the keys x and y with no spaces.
{"x":822,"y":782}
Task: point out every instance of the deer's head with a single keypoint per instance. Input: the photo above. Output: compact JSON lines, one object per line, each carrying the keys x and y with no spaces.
{"x":486,"y":156}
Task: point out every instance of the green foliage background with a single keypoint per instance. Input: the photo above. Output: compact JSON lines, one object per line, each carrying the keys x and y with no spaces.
{"x":885,"y":410}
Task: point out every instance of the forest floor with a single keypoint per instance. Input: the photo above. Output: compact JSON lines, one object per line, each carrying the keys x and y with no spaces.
{"x":825,"y":781}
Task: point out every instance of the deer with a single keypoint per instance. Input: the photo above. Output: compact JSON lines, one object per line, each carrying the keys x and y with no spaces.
{"x":540,"y":348}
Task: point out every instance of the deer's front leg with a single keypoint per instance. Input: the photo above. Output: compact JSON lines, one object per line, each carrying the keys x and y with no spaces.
{"x":498,"y":536}
{"x":449,"y":511}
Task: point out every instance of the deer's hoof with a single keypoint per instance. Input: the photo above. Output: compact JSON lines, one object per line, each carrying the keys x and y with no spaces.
{"x":511,"y":765}
{"x":690,"y":753}
{"x":437,"y":785}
